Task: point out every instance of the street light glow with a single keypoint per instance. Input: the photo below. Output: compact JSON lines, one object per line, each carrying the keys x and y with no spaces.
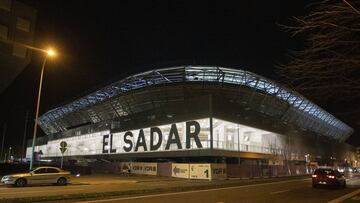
{"x":50,"y":52}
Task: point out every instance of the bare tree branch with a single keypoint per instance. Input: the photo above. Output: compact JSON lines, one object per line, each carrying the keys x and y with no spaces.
{"x":357,"y":11}
{"x":329,"y":63}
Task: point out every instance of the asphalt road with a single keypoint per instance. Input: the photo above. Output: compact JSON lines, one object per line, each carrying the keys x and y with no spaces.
{"x":285,"y":191}
{"x":295,"y":190}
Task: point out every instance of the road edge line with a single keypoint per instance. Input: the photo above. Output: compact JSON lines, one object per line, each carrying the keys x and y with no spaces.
{"x":187,"y":192}
{"x":345,"y":197}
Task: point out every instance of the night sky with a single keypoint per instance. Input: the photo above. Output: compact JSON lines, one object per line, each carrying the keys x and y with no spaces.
{"x":103,"y":41}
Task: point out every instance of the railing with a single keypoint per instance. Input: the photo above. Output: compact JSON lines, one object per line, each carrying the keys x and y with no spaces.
{"x":246,"y":148}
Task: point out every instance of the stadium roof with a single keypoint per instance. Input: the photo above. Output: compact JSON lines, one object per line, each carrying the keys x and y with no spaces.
{"x":335,"y":128}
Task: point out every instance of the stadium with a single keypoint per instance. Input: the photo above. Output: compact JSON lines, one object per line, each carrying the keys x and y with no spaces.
{"x":195,"y":114}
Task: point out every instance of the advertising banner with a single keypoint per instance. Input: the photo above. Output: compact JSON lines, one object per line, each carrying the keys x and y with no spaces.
{"x":137,"y":167}
{"x":144,"y":168}
{"x":276,"y":162}
{"x":218,"y":171}
{"x":150,"y":168}
{"x":200,"y":171}
{"x":125,"y":167}
{"x":164,"y":169}
{"x":180,"y":170}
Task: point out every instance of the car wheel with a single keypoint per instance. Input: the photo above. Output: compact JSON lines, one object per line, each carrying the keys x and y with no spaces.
{"x":314,"y":185}
{"x":21,"y":182}
{"x":61,"y":181}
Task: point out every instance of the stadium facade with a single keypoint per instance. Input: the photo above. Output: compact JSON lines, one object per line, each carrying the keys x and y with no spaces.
{"x":194,"y":114}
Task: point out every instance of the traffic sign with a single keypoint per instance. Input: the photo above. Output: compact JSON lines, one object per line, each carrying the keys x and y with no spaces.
{"x":63,"y":144}
{"x":63,"y":147}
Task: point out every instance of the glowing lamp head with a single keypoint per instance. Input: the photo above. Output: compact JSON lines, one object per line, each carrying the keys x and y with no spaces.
{"x":51,"y":52}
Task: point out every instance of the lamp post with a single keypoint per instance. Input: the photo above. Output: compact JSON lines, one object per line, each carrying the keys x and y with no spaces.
{"x":9,"y":157}
{"x":49,"y":53}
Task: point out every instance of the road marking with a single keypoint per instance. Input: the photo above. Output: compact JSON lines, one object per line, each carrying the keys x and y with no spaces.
{"x":36,"y":191}
{"x":344,"y":197}
{"x":277,"y":192}
{"x":188,"y":192}
{"x":357,"y":198}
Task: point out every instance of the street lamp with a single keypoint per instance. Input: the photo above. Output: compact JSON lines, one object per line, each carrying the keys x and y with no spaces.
{"x":48,"y":53}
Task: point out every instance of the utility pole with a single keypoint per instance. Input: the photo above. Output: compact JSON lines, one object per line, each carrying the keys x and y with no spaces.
{"x":3,"y":140}
{"x":24,"y":138}
{"x":9,"y":157}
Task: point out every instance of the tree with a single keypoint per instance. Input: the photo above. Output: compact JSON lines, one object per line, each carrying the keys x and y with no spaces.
{"x":328,"y":66}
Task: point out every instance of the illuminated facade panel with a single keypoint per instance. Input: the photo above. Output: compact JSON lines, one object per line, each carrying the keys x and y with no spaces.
{"x":237,"y":137}
{"x":187,"y":135}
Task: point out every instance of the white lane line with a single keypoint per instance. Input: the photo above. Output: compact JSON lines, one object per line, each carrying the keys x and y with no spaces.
{"x":356,"y":198}
{"x":344,"y":197}
{"x":189,"y":192}
{"x":278,"y":192}
{"x":36,"y":191}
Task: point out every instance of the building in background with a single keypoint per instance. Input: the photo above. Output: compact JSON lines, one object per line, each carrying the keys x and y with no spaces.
{"x":196,"y":114}
{"x":357,"y":156}
{"x":17,"y":25}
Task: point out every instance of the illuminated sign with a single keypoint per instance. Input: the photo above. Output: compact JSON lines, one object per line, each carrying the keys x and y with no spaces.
{"x":156,"y":139}
{"x":187,"y":135}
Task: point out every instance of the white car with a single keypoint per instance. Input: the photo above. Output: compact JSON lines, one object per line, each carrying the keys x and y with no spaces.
{"x":40,"y":175}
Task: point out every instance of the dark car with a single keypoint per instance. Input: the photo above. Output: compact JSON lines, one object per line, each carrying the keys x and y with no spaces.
{"x":330,"y":177}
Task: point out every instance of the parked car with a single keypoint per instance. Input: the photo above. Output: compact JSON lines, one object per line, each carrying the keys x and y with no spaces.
{"x":40,"y":175}
{"x":349,"y":170}
{"x":330,"y":177}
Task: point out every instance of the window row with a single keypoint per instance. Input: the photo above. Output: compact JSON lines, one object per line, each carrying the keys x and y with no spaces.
{"x":18,"y":50}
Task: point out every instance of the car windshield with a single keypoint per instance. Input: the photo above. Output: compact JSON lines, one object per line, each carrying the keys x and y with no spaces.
{"x":324,"y":171}
{"x":33,"y":170}
{"x":39,"y":170}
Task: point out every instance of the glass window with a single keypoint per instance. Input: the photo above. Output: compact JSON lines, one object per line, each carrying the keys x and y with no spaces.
{"x":5,"y":4}
{"x":23,"y":24}
{"x":3,"y":32}
{"x":40,"y":171}
{"x":232,"y":136}
{"x":247,"y":136}
{"x":323,"y":171}
{"x":19,"y":51}
{"x":52,"y":170}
